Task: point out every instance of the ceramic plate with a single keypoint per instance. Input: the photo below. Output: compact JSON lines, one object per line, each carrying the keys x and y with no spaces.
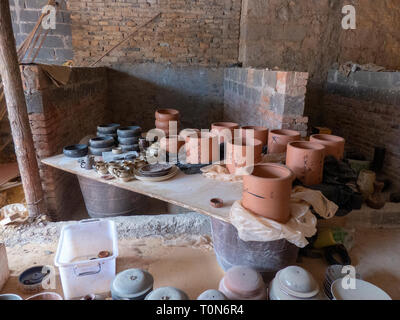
{"x":172,"y":173}
{"x":363,"y":291}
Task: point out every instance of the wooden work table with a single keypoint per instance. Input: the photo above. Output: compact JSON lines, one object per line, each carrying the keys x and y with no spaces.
{"x":192,"y":192}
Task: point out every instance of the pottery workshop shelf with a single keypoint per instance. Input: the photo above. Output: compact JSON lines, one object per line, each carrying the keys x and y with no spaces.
{"x":192,"y":192}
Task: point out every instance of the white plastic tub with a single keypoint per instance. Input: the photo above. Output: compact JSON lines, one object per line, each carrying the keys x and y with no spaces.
{"x":81,"y":271}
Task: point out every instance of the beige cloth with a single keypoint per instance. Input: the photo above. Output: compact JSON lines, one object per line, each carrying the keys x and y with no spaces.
{"x":218,"y":171}
{"x":252,"y":227}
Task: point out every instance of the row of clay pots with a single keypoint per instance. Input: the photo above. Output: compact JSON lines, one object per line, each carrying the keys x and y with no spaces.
{"x":166,"y":120}
{"x":226,"y":132}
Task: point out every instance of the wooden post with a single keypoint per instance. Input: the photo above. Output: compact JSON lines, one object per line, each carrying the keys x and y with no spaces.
{"x":18,"y":115}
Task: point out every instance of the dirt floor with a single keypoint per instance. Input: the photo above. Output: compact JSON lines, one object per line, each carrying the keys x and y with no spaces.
{"x":188,"y":262}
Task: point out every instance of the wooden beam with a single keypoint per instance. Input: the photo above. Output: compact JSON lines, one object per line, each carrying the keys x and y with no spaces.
{"x":18,"y":115}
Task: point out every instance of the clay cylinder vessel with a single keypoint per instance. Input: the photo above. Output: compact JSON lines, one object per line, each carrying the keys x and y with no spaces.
{"x":334,"y":145}
{"x":186,"y":133}
{"x":165,"y":119}
{"x":278,"y":140}
{"x":172,"y":144}
{"x":266,"y":191}
{"x":242,"y":153}
{"x":224,"y":130}
{"x":167,"y":115}
{"x":260,"y":133}
{"x":306,"y":160}
{"x":202,"y":149}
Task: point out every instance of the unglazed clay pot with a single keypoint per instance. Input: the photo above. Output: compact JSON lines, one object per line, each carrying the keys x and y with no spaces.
{"x":278,"y":140}
{"x":186,"y":133}
{"x":224,"y":130}
{"x":202,"y":149}
{"x":167,"y":115}
{"x":171,"y":144}
{"x":243,"y":283}
{"x":306,"y":160}
{"x":334,"y":145}
{"x":266,"y":191}
{"x":259,"y":133}
{"x":242,"y":153}
{"x":169,"y":127}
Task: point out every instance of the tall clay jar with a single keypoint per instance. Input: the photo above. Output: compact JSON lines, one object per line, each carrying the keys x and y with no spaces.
{"x":259,"y":133}
{"x":334,"y":145}
{"x":224,"y":130}
{"x":306,"y":160}
{"x":165,"y":118}
{"x":267,"y":190}
{"x":242,"y":153}
{"x":202,"y":148}
{"x":278,"y":140}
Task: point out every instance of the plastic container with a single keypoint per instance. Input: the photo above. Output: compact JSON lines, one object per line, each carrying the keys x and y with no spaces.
{"x":81,"y":271}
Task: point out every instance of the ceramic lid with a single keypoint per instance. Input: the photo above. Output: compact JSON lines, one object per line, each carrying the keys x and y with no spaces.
{"x":212,"y":295}
{"x":363,"y":291}
{"x":297,"y":282}
{"x":243,"y":280}
{"x":167,"y":293}
{"x":132,"y":283}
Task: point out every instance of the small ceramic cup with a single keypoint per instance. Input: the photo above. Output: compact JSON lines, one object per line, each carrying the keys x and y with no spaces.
{"x":101,"y":167}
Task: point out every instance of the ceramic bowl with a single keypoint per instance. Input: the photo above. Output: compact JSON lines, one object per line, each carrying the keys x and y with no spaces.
{"x":102,"y":142}
{"x":10,"y":296}
{"x":99,"y":151}
{"x":363,"y":291}
{"x":167,"y":293}
{"x":132,"y":284}
{"x":167,"y":114}
{"x":128,"y":141}
{"x":129,"y":132}
{"x":108,"y":128}
{"x":76,"y":151}
{"x":31,"y":279}
{"x":212,"y":295}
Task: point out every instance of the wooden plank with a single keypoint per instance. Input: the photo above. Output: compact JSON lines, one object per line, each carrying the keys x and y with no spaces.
{"x":192,"y":192}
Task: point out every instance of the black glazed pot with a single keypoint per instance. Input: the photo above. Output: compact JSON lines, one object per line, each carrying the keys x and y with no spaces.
{"x":108,"y":128}
{"x":127,"y":148}
{"x":129,"y":132}
{"x":128,"y":141}
{"x":76,"y":151}
{"x":102,"y":142}
{"x":99,"y":151}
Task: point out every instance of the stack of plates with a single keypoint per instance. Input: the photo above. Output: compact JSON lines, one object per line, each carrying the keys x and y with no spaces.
{"x":156,"y":172}
{"x":332,"y":274}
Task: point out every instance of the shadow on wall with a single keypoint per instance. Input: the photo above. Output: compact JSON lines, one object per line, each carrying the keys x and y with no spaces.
{"x":137,"y":91}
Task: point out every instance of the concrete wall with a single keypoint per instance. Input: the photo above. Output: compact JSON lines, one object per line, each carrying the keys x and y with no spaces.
{"x":274,"y":99}
{"x":137,"y":90}
{"x":365,"y":109}
{"x":61,"y":116}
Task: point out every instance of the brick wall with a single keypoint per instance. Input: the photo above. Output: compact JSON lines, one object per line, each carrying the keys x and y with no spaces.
{"x":57,"y":48}
{"x":200,"y":32}
{"x":61,"y":116}
{"x":364,"y":109}
{"x":274,"y":99}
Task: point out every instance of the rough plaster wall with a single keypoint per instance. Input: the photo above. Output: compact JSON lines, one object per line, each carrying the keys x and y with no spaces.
{"x":136,"y":91}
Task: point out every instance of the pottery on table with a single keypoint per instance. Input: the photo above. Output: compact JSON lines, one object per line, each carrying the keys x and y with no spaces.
{"x":101,"y":167}
{"x":32,"y":279}
{"x":167,"y":120}
{"x":87,"y":162}
{"x":99,"y":151}
{"x":185,"y":134}
{"x":278,"y":140}
{"x":129,"y":148}
{"x":306,"y":160}
{"x":46,"y":296}
{"x":363,"y":290}
{"x":202,"y":148}
{"x":76,"y":151}
{"x":267,"y":190}
{"x":334,"y":145}
{"x":243,"y":283}
{"x":129,"y":132}
{"x":171,"y":144}
{"x":212,"y":295}
{"x":129,"y":140}
{"x":224,"y":130}
{"x":102,"y":142}
{"x":167,"y":293}
{"x":167,"y":115}
{"x":109,"y":128}
{"x":132,"y":284}
{"x":155,"y":170}
{"x":294,"y":283}
{"x":242,"y":153}
{"x":10,"y":296}
{"x":259,"y":133}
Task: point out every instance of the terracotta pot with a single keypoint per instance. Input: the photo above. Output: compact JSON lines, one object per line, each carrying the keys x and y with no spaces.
{"x":242,"y":153}
{"x":171,"y":144}
{"x":306,"y":160}
{"x":202,"y":149}
{"x":334,"y":145}
{"x":278,"y":140}
{"x":266,"y":191}
{"x":224,"y":130}
{"x":186,"y":133}
{"x":260,"y":133}
{"x":167,"y":115}
{"x":167,"y":126}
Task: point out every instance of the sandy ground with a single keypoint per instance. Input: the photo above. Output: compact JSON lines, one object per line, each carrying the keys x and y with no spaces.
{"x":189,"y":262}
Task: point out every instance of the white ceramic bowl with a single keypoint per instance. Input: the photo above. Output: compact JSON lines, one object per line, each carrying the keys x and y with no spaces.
{"x":363,"y":291}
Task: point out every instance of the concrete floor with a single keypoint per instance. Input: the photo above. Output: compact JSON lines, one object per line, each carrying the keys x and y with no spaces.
{"x":177,"y":250}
